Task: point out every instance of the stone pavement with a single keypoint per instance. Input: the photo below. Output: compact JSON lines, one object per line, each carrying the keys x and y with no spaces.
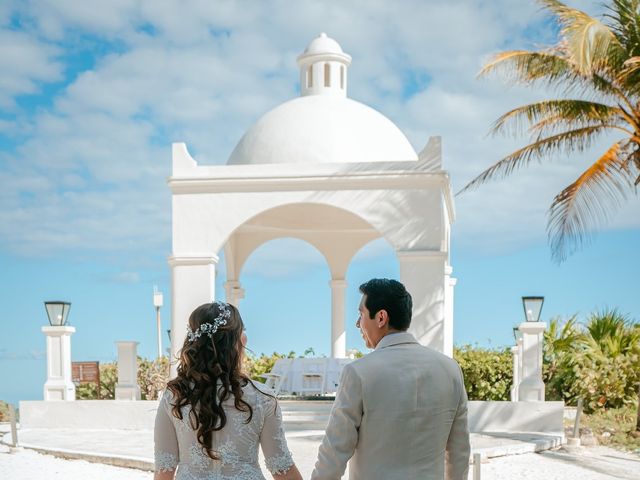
{"x":304,"y":426}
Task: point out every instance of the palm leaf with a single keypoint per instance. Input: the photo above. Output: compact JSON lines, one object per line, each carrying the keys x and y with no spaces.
{"x":578,"y":139}
{"x":563,"y":113}
{"x":587,"y":201}
{"x":588,"y":41}
{"x":524,"y":66}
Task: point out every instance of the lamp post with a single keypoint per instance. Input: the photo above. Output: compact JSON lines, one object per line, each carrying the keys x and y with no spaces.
{"x":531,"y":386}
{"x":532,"y":308}
{"x":157,"y":303}
{"x":59,"y":384}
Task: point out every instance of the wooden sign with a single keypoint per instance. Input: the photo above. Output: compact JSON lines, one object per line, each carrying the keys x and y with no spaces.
{"x":86,"y":372}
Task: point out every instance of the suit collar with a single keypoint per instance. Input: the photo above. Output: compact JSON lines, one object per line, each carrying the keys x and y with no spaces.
{"x":394,"y":339}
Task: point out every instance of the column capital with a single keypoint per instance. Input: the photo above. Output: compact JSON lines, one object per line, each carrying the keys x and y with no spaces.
{"x":428,"y":255}
{"x":56,"y":331}
{"x":338,"y":283}
{"x":193,"y":259}
{"x":532,"y":327}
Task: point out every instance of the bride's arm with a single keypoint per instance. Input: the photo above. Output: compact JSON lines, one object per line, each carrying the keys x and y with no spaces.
{"x":274,"y":444}
{"x":166,"y":451}
{"x":292,"y":474}
{"x":164,"y":475}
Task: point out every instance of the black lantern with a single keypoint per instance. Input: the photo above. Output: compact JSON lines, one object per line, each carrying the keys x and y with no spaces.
{"x":532,"y":308}
{"x":57,"y":312}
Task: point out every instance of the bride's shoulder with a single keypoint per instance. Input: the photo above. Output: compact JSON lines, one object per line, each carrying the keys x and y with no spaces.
{"x":260,"y":392}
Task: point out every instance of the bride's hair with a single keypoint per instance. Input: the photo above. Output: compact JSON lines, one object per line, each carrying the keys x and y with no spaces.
{"x":210,"y":370}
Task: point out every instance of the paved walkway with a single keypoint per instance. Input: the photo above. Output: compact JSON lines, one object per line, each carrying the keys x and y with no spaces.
{"x":304,"y":426}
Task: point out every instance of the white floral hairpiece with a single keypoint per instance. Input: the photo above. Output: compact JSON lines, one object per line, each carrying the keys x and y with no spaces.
{"x":210,"y":328}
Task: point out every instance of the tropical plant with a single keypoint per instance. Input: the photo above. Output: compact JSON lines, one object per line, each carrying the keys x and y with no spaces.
{"x":561,"y":340}
{"x":254,"y":366}
{"x":488,"y":374}
{"x":595,"y":67}
{"x":152,"y":377}
{"x":4,"y":411}
{"x":606,"y":366}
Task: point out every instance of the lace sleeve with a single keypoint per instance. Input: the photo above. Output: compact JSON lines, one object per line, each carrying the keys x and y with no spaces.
{"x":274,"y":444}
{"x":165,"y":438}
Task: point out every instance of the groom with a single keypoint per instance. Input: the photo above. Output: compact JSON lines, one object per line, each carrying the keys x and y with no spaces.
{"x":400,"y":411}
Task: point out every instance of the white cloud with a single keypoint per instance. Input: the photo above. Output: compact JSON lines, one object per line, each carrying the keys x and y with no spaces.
{"x":26,"y":62}
{"x":89,"y":171}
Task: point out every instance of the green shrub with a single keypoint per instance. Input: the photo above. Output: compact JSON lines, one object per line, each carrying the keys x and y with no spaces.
{"x":254,"y":366}
{"x":488,"y":374}
{"x":4,"y":411}
{"x":152,"y":376}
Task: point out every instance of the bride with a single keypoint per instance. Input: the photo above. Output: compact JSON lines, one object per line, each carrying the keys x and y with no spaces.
{"x":212,"y":417}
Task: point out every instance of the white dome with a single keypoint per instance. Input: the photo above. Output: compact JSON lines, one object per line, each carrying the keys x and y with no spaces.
{"x":322,"y":129}
{"x":323,"y":44}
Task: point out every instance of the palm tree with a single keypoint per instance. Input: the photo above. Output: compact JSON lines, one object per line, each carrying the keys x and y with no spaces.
{"x":595,"y":67}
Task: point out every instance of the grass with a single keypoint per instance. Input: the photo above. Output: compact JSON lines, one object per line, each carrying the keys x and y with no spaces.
{"x":614,"y":427}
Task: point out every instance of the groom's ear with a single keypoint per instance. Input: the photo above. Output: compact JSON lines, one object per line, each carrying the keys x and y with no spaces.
{"x":382,"y":318}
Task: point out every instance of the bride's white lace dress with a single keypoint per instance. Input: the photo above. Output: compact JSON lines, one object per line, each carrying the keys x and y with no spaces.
{"x":236,"y":445}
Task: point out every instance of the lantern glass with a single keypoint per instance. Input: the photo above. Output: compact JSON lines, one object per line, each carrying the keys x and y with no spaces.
{"x":532,"y":308}
{"x":57,"y":312}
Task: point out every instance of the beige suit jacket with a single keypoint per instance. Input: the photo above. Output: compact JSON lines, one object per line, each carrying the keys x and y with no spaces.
{"x":400,"y":413}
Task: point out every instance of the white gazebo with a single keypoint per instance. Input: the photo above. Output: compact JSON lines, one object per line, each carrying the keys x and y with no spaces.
{"x":328,"y":170}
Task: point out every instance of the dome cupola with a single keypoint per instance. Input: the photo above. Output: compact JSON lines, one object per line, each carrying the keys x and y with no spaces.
{"x":322,"y":125}
{"x":323,"y":68}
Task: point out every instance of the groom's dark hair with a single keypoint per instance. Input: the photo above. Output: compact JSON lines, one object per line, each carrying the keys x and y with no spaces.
{"x":391,"y":296}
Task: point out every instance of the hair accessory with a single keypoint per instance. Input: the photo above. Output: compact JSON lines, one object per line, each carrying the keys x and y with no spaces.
{"x":210,"y":328}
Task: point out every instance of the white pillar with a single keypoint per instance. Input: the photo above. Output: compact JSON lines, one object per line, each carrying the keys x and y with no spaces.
{"x":127,"y":387}
{"x":234,"y":292}
{"x":531,"y":386}
{"x":59,"y":384}
{"x":338,"y":335}
{"x":449,"y":283}
{"x":192,"y":284}
{"x":515,"y":352}
{"x":423,"y":273}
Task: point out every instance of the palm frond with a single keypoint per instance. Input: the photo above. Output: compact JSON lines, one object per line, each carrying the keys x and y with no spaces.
{"x":578,"y":139}
{"x":624,"y":21}
{"x":588,"y":201}
{"x":565,"y":113}
{"x":524,"y":66}
{"x":588,"y":40}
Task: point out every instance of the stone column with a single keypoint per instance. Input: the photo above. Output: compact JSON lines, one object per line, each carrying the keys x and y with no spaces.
{"x":234,"y":292}
{"x":531,"y":387}
{"x":59,"y":384}
{"x":423,"y":272}
{"x":515,"y":352}
{"x":338,"y":335}
{"x":127,"y":387}
{"x":192,"y":284}
{"x":449,"y":283}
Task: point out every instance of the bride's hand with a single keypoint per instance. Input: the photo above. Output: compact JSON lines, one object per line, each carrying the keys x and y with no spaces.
{"x":292,"y":474}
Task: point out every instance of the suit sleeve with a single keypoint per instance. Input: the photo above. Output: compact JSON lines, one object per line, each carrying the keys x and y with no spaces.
{"x":458,"y":446}
{"x":341,"y":437}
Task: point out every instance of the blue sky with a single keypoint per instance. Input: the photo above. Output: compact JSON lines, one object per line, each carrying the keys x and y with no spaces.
{"x":93,"y":93}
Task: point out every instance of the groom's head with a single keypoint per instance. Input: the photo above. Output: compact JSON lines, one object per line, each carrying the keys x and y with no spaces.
{"x":385,"y":307}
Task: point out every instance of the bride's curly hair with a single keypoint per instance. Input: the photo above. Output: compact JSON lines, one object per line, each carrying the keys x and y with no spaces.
{"x":209,"y":371}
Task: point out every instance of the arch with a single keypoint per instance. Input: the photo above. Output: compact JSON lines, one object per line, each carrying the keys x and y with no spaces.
{"x":337,"y":233}
{"x":279,"y":301}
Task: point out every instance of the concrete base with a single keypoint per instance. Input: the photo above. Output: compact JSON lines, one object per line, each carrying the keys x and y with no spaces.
{"x":516,"y":417}
{"x":89,"y":414}
{"x":543,"y":417}
{"x":128,"y":393}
